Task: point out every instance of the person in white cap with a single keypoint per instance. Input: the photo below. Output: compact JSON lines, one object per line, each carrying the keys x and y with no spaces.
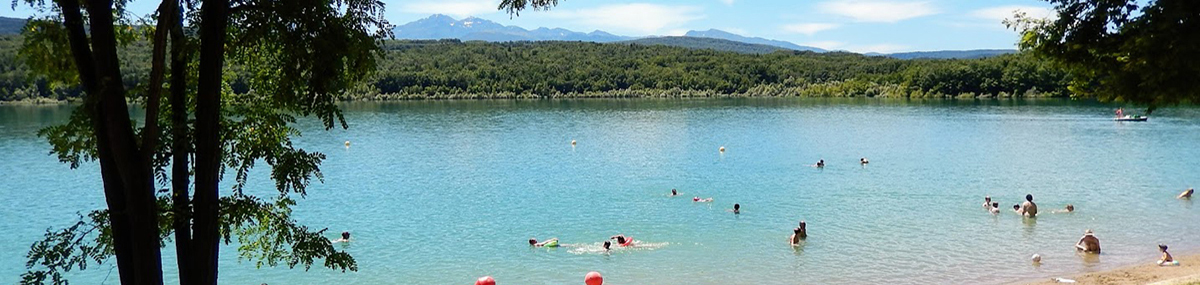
{"x":1088,"y":243}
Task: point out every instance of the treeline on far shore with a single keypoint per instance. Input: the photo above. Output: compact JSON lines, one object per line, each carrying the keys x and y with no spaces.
{"x":450,"y":69}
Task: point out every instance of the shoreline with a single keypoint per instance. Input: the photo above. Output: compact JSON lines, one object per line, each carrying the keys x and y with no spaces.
{"x":1187,"y":273}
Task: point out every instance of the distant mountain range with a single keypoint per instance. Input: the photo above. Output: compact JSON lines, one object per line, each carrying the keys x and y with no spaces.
{"x":11,"y":26}
{"x":475,"y":29}
{"x":719,"y":34}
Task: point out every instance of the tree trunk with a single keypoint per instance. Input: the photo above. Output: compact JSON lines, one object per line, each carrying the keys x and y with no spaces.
{"x":180,"y":145}
{"x":213,"y":20}
{"x":114,"y":192}
{"x":112,"y":113}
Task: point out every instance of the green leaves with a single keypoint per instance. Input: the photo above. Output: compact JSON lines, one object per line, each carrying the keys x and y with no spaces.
{"x":1116,"y":52}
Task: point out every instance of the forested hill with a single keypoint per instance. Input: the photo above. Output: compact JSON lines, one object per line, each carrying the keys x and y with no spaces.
{"x":453,"y":69}
{"x":11,"y":26}
{"x":707,"y":43}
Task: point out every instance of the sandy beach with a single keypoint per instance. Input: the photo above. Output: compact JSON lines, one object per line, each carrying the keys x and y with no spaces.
{"x":1187,"y":273}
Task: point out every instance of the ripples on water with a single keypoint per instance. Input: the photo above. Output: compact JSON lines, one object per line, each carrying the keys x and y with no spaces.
{"x":445,"y":192}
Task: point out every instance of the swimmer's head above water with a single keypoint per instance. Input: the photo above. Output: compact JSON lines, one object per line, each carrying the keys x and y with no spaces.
{"x":737,"y":207}
{"x":1029,"y":197}
{"x":345,"y":235}
{"x":533,"y":241}
{"x":607,"y":245}
{"x":673,"y":192}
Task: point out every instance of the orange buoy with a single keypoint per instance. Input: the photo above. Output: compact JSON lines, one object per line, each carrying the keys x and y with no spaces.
{"x":486,"y":280}
{"x":593,"y":278}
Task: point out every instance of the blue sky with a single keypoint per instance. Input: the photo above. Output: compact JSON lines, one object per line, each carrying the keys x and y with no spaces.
{"x":855,"y":25}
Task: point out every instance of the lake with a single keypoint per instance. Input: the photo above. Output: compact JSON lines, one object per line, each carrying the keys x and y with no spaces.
{"x":443,"y":192}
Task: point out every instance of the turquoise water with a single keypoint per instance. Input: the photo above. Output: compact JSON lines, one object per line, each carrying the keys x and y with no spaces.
{"x":446,"y":192}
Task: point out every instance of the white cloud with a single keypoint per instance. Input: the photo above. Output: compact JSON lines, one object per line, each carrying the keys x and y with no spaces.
{"x":878,"y":11}
{"x":637,"y":18}
{"x":457,"y":8}
{"x":727,"y":2}
{"x":998,"y":14}
{"x":809,"y":28}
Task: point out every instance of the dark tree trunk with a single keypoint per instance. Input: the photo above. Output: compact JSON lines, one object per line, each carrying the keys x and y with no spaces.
{"x":113,"y":114}
{"x":114,"y":192}
{"x":180,"y":146}
{"x":213,"y":20}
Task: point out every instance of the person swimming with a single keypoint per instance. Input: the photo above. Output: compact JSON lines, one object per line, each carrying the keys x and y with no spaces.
{"x":1028,"y":207}
{"x":995,"y":208}
{"x":705,"y":200}
{"x":607,"y":245}
{"x":1166,"y":258}
{"x":737,"y":208}
{"x":1017,"y":209}
{"x":863,"y":161}
{"x":1069,"y":209}
{"x":552,"y":242}
{"x":623,"y":240}
{"x":1088,"y":243}
{"x":987,"y":202}
{"x":1187,"y":194}
{"x":345,"y":238}
{"x":674,"y":193}
{"x":820,"y":163}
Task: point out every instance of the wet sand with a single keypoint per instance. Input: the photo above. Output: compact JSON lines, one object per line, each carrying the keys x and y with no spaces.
{"x":1187,"y":273}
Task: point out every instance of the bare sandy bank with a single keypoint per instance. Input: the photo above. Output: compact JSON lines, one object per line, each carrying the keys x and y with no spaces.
{"x":1187,"y":273}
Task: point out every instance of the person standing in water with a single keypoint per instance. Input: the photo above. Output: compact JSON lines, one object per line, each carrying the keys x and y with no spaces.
{"x":796,"y":236}
{"x":1028,"y":207}
{"x":1088,"y":243}
{"x":995,"y":209}
{"x":987,"y":202}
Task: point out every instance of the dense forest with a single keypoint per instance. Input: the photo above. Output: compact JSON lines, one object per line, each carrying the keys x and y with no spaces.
{"x":447,"y":69}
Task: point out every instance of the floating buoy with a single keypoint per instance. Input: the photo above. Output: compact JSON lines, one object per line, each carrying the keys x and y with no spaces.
{"x":572,"y":142}
{"x":347,"y":143}
{"x":593,"y":278}
{"x":486,"y":280}
{"x":722,"y":149}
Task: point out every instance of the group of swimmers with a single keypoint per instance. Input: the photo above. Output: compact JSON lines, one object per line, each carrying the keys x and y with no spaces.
{"x":821,"y":163}
{"x":620,"y":239}
{"x":1088,"y":243}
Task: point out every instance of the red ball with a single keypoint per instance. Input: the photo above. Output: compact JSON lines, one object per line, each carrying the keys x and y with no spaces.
{"x":486,"y":280}
{"x":593,"y":278}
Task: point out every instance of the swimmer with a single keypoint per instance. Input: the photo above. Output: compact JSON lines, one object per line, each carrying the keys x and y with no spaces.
{"x":987,"y":202}
{"x":1088,"y":243}
{"x":722,"y":149}
{"x":607,"y":245}
{"x":863,"y":161}
{"x":705,"y":200}
{"x":1069,"y":209}
{"x":737,"y":208}
{"x":820,"y":163}
{"x":1187,"y":194}
{"x":674,"y":193}
{"x":1017,"y":209}
{"x":552,"y":242}
{"x":1028,"y":207}
{"x":623,"y":240}
{"x":995,"y":208}
{"x":795,"y":238}
{"x":345,"y":238}
{"x":1166,"y":257}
